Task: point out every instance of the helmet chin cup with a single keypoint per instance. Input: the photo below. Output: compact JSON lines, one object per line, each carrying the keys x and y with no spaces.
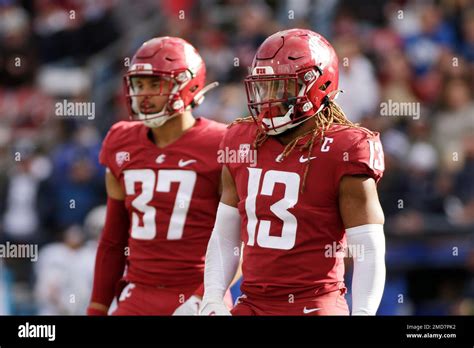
{"x":157,"y":122}
{"x":283,"y":122}
{"x":157,"y":119}
{"x":280,"y":124}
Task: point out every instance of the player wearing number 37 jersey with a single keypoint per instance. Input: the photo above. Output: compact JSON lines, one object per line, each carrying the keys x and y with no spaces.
{"x":163,"y":187}
{"x":310,"y":196}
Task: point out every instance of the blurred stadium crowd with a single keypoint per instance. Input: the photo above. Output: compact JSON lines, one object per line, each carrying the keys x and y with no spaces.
{"x":390,"y":52}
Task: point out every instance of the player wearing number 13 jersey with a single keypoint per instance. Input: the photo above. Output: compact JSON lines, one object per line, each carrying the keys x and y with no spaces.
{"x":163,"y":187}
{"x":310,"y":196}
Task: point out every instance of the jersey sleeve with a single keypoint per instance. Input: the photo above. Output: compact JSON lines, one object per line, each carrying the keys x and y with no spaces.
{"x":224,"y":146}
{"x":365,"y":157}
{"x":215,"y":140}
{"x":106,"y":154}
{"x":223,"y":142}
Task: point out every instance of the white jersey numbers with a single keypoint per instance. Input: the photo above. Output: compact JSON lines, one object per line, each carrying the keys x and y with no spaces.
{"x":147,"y":179}
{"x":288,"y":235}
{"x":376,"y":160}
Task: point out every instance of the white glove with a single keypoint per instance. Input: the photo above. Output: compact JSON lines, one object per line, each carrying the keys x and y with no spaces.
{"x":213,"y":307}
{"x":190,"y":307}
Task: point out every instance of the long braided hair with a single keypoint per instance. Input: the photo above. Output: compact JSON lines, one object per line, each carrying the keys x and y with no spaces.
{"x":331,"y":114}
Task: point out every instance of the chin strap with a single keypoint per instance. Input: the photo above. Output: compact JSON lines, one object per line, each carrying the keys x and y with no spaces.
{"x":199,"y":97}
{"x":335,"y":94}
{"x":327,"y":99}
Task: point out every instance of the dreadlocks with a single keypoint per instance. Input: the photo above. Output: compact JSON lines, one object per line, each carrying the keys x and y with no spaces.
{"x":331,"y":114}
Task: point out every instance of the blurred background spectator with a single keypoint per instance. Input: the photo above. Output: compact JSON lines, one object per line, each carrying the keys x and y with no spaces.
{"x":64,"y":288}
{"x":397,"y":51}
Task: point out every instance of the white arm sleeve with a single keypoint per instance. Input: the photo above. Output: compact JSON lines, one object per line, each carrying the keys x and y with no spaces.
{"x":223,"y":253}
{"x":368,"y":279}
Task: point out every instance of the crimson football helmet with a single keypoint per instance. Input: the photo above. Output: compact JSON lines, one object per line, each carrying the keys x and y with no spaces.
{"x":181,"y":72}
{"x":293,"y":76}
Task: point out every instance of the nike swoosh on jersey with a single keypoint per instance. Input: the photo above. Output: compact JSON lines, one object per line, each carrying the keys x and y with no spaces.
{"x":306,"y":310}
{"x":303,"y":159}
{"x":182,"y":163}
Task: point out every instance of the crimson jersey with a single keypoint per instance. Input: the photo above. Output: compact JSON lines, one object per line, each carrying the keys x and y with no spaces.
{"x":171,"y":196}
{"x":294,"y":241}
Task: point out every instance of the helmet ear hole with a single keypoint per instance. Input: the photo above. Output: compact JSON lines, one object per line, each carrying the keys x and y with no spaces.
{"x":193,"y":88}
{"x":325,"y":86}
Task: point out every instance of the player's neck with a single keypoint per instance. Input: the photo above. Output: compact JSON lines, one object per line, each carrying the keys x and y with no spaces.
{"x":173,"y":129}
{"x":293,"y":133}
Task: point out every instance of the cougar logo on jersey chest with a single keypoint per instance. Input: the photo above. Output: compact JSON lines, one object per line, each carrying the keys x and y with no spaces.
{"x":161,"y":158}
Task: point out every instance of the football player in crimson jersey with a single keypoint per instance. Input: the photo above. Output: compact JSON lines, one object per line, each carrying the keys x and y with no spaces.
{"x":162,"y":183}
{"x":310,"y":197}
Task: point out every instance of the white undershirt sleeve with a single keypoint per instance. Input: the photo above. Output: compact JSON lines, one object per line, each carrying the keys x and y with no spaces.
{"x":368,"y":279}
{"x":223,"y":253}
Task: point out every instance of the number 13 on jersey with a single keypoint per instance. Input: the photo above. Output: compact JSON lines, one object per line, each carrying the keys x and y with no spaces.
{"x":280,"y":209}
